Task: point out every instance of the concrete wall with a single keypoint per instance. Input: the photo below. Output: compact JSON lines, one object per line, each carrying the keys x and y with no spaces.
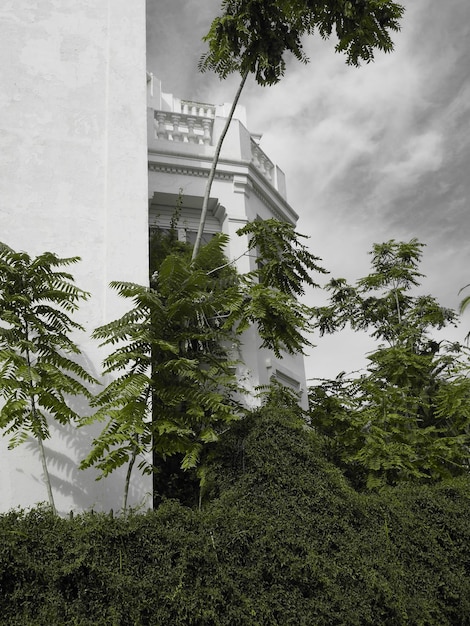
{"x":73,"y":180}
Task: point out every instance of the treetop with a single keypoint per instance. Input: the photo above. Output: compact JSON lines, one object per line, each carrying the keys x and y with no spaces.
{"x":252,"y":36}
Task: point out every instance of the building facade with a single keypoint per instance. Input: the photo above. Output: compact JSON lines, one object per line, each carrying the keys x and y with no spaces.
{"x":182,"y":136}
{"x":84,"y":171}
{"x":73,"y":180}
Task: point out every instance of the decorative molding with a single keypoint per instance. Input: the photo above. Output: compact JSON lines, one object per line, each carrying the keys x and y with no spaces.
{"x":280,"y":209}
{"x":187,"y":171}
{"x":242,"y":184}
{"x":220,"y":213}
{"x":193,"y":125}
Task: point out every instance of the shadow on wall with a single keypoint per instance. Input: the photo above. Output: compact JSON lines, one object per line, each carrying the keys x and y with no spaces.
{"x":76,"y":489}
{"x":73,"y":489}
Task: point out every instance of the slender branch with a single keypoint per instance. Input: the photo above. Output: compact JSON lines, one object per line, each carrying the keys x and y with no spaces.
{"x":47,"y":479}
{"x":398,"y":305}
{"x":205,"y":203}
{"x":42,"y":453}
{"x":133,"y":458}
{"x":221,"y":267}
{"x":128,"y":478}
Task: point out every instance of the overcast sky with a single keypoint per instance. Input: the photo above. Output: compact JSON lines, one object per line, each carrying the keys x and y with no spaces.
{"x":370,"y":154}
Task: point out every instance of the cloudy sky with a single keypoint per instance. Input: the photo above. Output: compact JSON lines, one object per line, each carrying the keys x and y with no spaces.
{"x":370,"y":154}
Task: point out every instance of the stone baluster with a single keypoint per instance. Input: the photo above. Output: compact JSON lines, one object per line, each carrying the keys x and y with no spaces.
{"x":177,"y":135}
{"x":255,"y":155}
{"x":192,"y":137}
{"x":269,"y":170}
{"x":161,"y":126}
{"x":206,"y":125}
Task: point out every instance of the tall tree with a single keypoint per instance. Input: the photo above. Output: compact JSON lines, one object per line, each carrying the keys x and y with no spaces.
{"x":408,"y":415}
{"x":38,"y":370}
{"x":175,"y":383}
{"x":464,"y":304}
{"x":254,"y":37}
{"x":176,"y":387}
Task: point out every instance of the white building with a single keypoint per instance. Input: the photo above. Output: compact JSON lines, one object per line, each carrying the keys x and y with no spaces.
{"x":76,"y":178}
{"x":181,"y":143}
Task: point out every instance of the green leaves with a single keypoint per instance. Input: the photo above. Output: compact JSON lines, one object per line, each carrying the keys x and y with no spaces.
{"x":254,"y":36}
{"x":284,"y":268}
{"x":176,"y":384}
{"x":171,"y":368}
{"x":37,"y":373}
{"x":173,"y":352}
{"x":280,"y":319}
{"x":283,"y":262}
{"x":393,"y":315}
{"x":407,"y":416}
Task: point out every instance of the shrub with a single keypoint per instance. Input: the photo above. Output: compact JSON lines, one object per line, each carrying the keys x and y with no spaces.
{"x":281,"y":539}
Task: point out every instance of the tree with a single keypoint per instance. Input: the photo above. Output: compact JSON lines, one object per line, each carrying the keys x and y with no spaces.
{"x":175,"y":385}
{"x":176,"y":388}
{"x":464,"y":304}
{"x":408,"y":416}
{"x":254,"y":36}
{"x":466,"y":301}
{"x":37,"y":369}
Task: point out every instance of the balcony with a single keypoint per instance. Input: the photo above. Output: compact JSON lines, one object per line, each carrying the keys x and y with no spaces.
{"x":194,"y":128}
{"x":195,"y":124}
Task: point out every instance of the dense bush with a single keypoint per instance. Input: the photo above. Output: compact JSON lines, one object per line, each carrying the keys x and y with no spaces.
{"x":281,"y":539}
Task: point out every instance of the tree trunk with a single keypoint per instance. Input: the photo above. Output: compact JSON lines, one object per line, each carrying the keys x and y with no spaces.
{"x":205,"y":203}
{"x":47,"y":479}
{"x":34,"y":416}
{"x":128,"y":480}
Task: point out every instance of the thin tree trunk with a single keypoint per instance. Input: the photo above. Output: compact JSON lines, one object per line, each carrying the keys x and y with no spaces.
{"x":47,"y":479}
{"x":205,"y":203}
{"x":42,"y":453}
{"x":128,"y":480}
{"x":133,"y":458}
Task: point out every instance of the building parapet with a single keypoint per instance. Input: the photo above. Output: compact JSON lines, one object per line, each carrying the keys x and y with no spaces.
{"x":195,"y":128}
{"x":195,"y":125}
{"x":262,"y":162}
{"x":198,"y":123}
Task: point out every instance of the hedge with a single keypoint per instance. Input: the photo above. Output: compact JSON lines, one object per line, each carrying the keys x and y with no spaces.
{"x":281,"y":539}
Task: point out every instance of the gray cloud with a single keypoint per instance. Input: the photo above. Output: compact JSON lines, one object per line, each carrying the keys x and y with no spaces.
{"x":370,"y":154}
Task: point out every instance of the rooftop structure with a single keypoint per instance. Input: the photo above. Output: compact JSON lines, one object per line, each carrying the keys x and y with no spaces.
{"x":182,"y":135}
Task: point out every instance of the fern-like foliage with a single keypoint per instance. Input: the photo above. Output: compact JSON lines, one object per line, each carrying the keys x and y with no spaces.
{"x":283,"y":262}
{"x":176,"y":385}
{"x":172,"y":354}
{"x":38,"y":367}
{"x":408,"y":416}
{"x":284,"y":268}
{"x":253,"y":36}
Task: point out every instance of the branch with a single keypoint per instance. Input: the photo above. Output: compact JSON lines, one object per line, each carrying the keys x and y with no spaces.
{"x":212,"y":171}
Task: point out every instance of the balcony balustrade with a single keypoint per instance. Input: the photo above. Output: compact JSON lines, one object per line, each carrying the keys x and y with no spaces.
{"x":184,"y":128}
{"x":262,"y":162}
{"x":194,"y":124}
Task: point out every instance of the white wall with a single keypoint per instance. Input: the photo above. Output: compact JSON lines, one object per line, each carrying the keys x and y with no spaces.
{"x":73,"y":180}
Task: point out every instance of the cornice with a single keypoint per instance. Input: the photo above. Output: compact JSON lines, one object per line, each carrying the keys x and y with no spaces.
{"x":271,"y":197}
{"x":235,"y":172}
{"x":187,"y":171}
